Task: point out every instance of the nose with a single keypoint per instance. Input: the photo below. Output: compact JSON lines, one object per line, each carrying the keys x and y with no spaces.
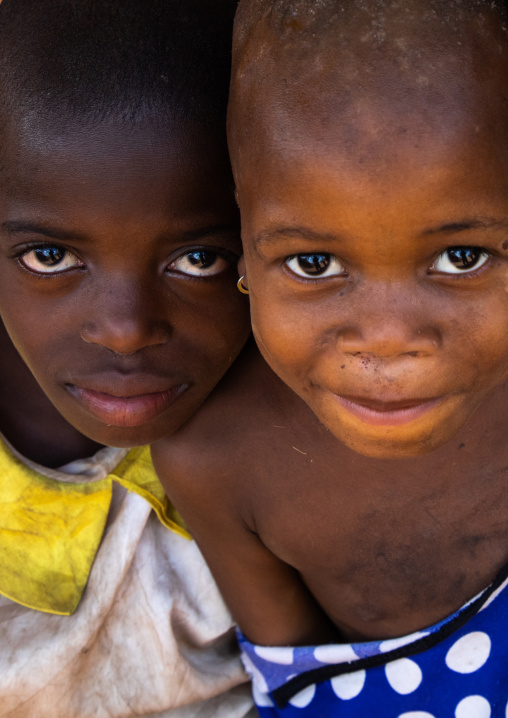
{"x":389,"y":322}
{"x":125,"y":318}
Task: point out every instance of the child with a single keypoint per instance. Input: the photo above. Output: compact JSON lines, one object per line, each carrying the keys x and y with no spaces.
{"x":354,"y":494}
{"x":119,"y":245}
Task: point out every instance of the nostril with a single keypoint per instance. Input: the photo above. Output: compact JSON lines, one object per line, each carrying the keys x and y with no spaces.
{"x":388,"y":340}
{"x":125,"y":337}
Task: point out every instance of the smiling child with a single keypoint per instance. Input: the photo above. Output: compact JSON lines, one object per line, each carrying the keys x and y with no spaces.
{"x":119,"y":244}
{"x":350,"y":494}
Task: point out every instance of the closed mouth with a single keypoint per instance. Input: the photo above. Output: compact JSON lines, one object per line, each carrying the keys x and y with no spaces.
{"x":131,"y":410}
{"x":389,"y":413}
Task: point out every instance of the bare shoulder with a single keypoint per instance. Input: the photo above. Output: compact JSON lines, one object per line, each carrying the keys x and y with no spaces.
{"x":206,"y":456}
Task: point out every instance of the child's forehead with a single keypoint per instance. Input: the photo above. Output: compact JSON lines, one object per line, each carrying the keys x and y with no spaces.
{"x":387,"y":74}
{"x":32,"y":144}
{"x":120,"y":172}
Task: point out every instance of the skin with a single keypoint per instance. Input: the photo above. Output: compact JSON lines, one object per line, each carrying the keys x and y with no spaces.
{"x":337,"y":337}
{"x":123,"y":336}
{"x":367,"y":486}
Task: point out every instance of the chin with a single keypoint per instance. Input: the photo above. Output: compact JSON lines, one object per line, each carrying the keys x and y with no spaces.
{"x":391,"y":449}
{"x":124,"y":437}
{"x":394,"y":444}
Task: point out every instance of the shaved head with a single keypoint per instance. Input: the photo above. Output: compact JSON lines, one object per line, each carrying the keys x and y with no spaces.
{"x":315,"y":22}
{"x":372,"y":69}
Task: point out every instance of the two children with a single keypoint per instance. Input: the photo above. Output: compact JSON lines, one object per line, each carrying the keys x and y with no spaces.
{"x":119,"y":308}
{"x":349,"y":492}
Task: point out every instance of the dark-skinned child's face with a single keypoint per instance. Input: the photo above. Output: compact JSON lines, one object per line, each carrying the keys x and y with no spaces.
{"x":118,"y":258}
{"x":375,"y":233}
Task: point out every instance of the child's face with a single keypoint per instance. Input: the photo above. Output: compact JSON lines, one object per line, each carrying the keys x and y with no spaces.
{"x":118,"y":265}
{"x":378,"y":271}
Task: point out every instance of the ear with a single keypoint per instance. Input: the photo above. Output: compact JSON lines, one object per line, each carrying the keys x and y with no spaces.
{"x":241,"y":267}
{"x":237,"y":197}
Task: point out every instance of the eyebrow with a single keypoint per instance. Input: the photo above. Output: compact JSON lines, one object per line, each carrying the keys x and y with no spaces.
{"x":272,"y":235}
{"x":209,"y":231}
{"x":464,"y":225}
{"x":15,"y":227}
{"x":299,"y":232}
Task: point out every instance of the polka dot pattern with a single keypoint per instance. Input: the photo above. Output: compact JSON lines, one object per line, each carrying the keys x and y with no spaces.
{"x":394,"y":643}
{"x":304,"y":698}
{"x":348,"y":686}
{"x":404,"y":676}
{"x":469,"y":653}
{"x":284,"y":656}
{"x":473,"y":707}
{"x":262,"y":700}
{"x":458,"y":670}
{"x":335,"y":654}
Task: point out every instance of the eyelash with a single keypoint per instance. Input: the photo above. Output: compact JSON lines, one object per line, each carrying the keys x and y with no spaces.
{"x":318,"y":277}
{"x":481,"y":251}
{"x":37,"y":245}
{"x":18,"y":256}
{"x":221,"y":254}
{"x":335,"y":268}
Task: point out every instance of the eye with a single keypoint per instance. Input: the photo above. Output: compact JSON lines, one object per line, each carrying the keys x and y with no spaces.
{"x":49,"y":260}
{"x":460,"y":260}
{"x":200,"y":263}
{"x":317,"y":264}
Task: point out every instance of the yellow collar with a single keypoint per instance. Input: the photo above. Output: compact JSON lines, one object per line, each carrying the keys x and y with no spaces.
{"x":50,"y":531}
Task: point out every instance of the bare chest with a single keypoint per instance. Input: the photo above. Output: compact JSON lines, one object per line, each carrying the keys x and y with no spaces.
{"x":383,"y":564}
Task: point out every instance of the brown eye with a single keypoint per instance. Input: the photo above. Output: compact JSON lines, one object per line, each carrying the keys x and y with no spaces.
{"x":315,"y":265}
{"x":200,"y":263}
{"x":460,"y":260}
{"x":49,"y":260}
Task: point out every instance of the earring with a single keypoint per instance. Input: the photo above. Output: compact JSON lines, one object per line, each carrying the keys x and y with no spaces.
{"x":241,"y":286}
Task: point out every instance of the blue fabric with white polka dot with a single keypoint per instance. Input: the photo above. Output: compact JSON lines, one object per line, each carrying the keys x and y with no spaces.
{"x":457,"y":668}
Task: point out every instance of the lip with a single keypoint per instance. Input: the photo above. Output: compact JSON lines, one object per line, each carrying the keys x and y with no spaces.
{"x":130,"y":410}
{"x":396,"y":413}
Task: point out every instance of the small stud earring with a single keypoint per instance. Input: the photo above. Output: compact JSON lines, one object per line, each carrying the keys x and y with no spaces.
{"x":241,"y":286}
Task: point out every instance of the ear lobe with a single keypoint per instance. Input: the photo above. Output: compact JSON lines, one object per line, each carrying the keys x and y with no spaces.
{"x":241,"y":266}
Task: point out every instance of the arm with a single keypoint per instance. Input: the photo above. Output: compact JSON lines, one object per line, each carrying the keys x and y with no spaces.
{"x":266,"y":596}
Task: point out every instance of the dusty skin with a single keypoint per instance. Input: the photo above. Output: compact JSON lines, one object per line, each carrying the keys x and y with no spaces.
{"x":367,"y":471}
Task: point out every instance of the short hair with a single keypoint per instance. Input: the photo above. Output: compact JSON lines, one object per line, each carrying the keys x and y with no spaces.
{"x":311,"y":16}
{"x":304,"y":29}
{"x":99,"y":58}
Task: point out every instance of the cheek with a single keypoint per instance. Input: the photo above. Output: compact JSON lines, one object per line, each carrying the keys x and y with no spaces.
{"x":295,"y":338}
{"x":288,"y":336}
{"x":35,"y":320}
{"x":28,"y":331}
{"x":214,"y":330}
{"x":45,"y":339}
{"x":483,"y":341}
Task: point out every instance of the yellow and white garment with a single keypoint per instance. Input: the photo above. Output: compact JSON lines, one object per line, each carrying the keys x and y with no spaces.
{"x":107,"y":608}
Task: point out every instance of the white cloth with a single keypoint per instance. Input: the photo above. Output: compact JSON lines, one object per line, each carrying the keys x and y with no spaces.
{"x":151,"y":636}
